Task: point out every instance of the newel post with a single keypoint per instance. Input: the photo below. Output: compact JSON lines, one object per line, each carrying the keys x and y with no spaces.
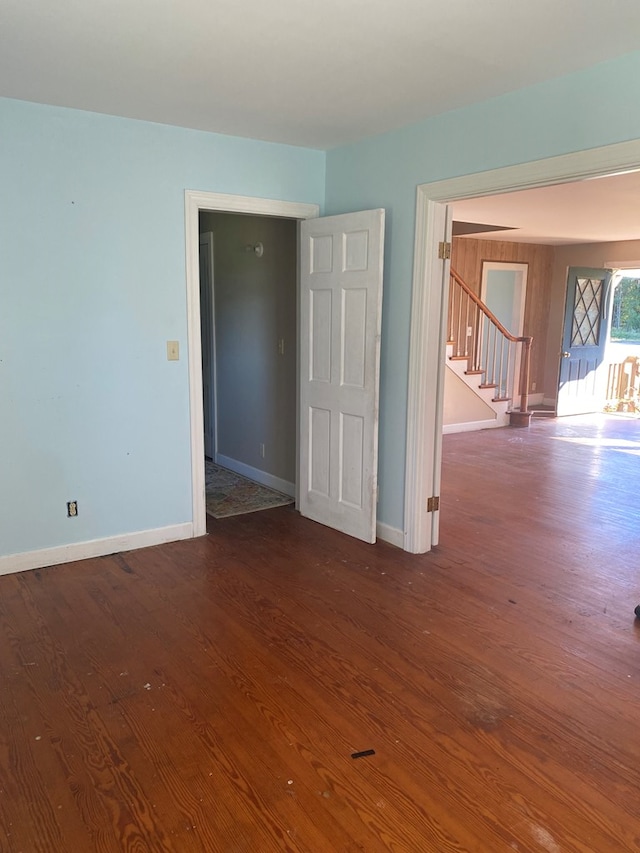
{"x":523,"y":417}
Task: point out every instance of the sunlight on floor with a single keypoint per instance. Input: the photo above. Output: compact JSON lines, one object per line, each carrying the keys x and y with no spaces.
{"x":623,"y":445}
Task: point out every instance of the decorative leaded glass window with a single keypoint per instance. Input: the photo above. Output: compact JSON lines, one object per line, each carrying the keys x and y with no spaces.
{"x":586,"y":312}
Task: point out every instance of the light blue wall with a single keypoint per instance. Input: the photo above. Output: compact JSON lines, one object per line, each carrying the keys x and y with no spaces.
{"x":92,"y":282}
{"x":499,"y":296}
{"x":92,"y":285}
{"x":595,"y":107}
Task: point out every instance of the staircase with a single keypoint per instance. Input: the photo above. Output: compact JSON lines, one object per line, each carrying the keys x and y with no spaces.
{"x":487,"y":360}
{"x":492,"y":411}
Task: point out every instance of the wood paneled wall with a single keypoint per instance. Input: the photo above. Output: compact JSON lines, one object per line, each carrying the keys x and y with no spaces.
{"x":467,"y":255}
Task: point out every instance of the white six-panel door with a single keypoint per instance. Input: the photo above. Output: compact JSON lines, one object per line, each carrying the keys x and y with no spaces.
{"x":340,"y":314}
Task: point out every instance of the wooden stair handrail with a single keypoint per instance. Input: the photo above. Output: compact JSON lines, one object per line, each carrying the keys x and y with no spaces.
{"x":485,"y":310}
{"x":525,"y":340}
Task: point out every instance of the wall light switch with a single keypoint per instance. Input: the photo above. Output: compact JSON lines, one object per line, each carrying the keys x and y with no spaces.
{"x":173,"y":351}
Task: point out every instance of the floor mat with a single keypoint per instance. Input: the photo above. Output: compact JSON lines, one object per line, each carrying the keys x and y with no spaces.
{"x":228,"y":493}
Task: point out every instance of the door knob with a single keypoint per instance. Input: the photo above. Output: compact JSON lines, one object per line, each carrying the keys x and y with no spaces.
{"x":566,"y":355}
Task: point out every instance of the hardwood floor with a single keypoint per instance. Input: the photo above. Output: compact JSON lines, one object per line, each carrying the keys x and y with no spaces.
{"x":207,"y":695}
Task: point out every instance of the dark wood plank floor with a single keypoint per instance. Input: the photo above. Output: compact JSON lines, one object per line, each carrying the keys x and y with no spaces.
{"x":208,"y":695}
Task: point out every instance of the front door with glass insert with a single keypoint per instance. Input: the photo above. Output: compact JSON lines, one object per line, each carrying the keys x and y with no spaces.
{"x":582,"y":380}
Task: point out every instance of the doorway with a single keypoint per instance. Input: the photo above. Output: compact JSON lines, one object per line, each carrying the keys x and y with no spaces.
{"x":503,"y":289}
{"x":624,"y":333}
{"x":347,"y":251}
{"x":429,"y":303}
{"x":249,"y":331}
{"x":582,"y":379}
{"x":622,"y":353}
{"x":195,"y":204}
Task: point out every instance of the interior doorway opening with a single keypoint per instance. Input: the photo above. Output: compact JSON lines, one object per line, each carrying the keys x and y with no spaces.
{"x":428,"y":309}
{"x":625,"y":309}
{"x":248,"y":282}
{"x":195,"y":204}
{"x":249,"y":343}
{"x":347,"y":251}
{"x":503,"y":289}
{"x":623,"y":343}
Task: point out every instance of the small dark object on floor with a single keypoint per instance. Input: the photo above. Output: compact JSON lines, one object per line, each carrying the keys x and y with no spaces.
{"x":363,"y":754}
{"x":637,"y":612}
{"x":511,"y":601}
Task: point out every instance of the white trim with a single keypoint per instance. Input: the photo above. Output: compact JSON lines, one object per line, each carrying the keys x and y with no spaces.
{"x":250,"y":204}
{"x":392,"y":535}
{"x":207,"y":239}
{"x":536,"y":399}
{"x":622,"y":265}
{"x":298,"y":291}
{"x":424,"y":425}
{"x":549,"y":401}
{"x":93,"y":548}
{"x":579,"y":166}
{"x":474,"y":426}
{"x":425,"y":363}
{"x":194,"y":202}
{"x":194,"y":345}
{"x":439,"y":370}
{"x":258,"y":476}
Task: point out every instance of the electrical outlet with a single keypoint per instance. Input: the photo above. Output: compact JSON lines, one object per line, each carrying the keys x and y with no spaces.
{"x":281,"y":346}
{"x":72,"y":509}
{"x":533,"y":386}
{"x":469,"y":331}
{"x":173,"y":351}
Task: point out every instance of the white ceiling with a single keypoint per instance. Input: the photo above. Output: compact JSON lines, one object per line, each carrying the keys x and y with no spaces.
{"x":594,"y":211}
{"x":318,"y":73}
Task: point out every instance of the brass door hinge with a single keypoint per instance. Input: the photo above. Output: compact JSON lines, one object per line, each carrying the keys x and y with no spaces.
{"x":433,"y":504}
{"x":444,"y":251}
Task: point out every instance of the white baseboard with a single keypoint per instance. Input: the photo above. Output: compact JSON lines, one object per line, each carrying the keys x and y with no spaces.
{"x":258,"y":476}
{"x":390,"y":534}
{"x":473,"y":426}
{"x":93,"y":548}
{"x":536,"y":399}
{"x":549,"y":401}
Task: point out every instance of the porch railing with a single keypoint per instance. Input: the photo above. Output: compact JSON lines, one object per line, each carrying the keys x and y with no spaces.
{"x":501,"y":360}
{"x":623,"y":386}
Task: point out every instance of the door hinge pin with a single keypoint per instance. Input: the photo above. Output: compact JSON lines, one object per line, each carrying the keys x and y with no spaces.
{"x":444,"y":251}
{"x":433,"y":504}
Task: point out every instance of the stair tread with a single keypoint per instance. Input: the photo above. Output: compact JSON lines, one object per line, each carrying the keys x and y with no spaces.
{"x":500,"y":399}
{"x":488,"y":385}
{"x":475,"y":372}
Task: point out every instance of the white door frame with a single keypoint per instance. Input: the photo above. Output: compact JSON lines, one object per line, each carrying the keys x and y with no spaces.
{"x":424,"y":409}
{"x":194,"y":202}
{"x":206,"y":239}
